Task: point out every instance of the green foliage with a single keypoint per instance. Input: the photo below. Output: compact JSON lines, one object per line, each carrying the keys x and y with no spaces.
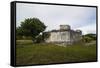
{"x":31,"y":27}
{"x":42,"y":37}
{"x":39,"y":39}
{"x":89,"y":37}
{"x":92,"y":36}
{"x":46,"y":35}
{"x":19,"y":31}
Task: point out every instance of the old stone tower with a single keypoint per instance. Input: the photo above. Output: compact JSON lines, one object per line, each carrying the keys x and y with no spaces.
{"x":64,"y":35}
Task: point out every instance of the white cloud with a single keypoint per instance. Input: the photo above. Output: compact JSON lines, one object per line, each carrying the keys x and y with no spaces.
{"x":54,"y":15}
{"x":88,"y":29}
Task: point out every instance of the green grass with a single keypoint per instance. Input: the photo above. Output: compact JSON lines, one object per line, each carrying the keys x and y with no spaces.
{"x":28,"y":53}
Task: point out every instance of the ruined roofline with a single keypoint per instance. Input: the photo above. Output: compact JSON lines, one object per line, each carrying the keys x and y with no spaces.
{"x":63,"y":31}
{"x":64,"y":28}
{"x":59,"y":30}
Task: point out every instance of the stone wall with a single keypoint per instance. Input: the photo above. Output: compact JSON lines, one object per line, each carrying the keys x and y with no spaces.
{"x":69,"y":36}
{"x":59,"y":37}
{"x":64,"y":35}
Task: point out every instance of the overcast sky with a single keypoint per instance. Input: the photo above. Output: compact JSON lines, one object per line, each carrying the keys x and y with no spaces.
{"x":83,"y":18}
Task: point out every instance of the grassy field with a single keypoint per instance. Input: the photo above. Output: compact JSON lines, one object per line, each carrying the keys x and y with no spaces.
{"x":29,"y":53}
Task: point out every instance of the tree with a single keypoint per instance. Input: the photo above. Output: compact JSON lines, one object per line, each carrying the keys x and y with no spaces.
{"x":31,"y":27}
{"x":89,"y":37}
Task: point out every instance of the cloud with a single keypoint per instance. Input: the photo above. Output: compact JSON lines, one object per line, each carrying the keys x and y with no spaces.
{"x":88,"y":29}
{"x":54,"y":15}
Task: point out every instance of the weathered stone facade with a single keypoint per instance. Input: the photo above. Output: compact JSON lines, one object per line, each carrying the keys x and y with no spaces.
{"x":64,"y":35}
